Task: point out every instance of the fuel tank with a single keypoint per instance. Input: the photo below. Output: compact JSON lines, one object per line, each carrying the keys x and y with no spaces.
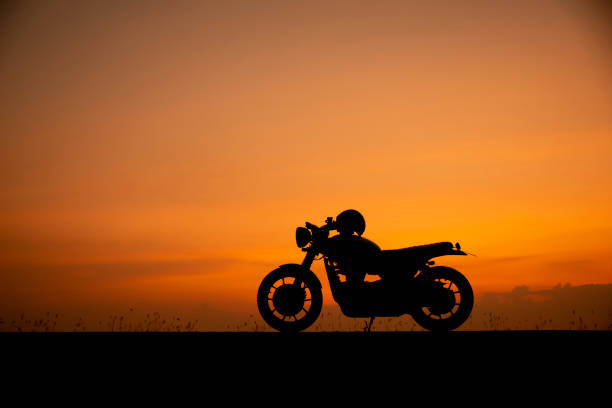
{"x":352,"y":251}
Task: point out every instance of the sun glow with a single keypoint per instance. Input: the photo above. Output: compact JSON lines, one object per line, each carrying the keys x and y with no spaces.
{"x":167,"y":155}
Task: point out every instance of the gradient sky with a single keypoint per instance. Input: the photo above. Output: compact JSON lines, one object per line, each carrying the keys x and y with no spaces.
{"x":161,"y":153}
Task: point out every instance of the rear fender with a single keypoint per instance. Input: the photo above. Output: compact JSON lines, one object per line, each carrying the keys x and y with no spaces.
{"x":450,"y":250}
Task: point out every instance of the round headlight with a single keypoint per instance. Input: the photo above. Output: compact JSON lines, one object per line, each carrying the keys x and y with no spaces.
{"x":302,"y":236}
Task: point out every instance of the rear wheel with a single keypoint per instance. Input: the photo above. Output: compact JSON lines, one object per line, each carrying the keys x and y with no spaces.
{"x":450,"y":304}
{"x":290,"y":300}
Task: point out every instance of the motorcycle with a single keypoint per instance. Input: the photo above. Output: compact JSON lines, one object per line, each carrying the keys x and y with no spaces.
{"x":439,"y":298}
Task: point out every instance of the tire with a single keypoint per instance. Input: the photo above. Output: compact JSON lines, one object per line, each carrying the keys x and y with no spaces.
{"x":285,"y":307}
{"x":453,"y":316}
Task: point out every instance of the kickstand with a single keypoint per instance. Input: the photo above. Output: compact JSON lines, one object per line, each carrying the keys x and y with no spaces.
{"x":369,"y":325}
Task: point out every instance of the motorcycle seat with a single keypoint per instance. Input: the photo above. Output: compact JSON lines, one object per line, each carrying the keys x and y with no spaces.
{"x":418,"y":252}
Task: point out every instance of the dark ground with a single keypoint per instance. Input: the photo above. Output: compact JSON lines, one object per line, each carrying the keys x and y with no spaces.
{"x":502,"y":361}
{"x":543,"y":345}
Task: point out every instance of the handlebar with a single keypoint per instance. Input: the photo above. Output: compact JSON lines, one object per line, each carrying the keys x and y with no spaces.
{"x":329,"y":225}
{"x":311,"y":226}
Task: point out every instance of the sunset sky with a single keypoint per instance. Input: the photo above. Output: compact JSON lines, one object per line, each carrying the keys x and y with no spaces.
{"x":159,"y":154}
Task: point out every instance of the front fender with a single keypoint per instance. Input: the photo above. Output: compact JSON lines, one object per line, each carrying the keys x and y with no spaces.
{"x":302,"y":272}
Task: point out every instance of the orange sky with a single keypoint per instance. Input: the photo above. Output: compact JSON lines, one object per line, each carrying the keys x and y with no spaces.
{"x":162,"y":153}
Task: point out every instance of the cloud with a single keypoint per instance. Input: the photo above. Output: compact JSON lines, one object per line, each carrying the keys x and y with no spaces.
{"x":563,"y":307}
{"x":507,"y":259}
{"x":224,"y":281}
{"x":123,"y":270}
{"x":213,"y":291}
{"x":571,"y":264}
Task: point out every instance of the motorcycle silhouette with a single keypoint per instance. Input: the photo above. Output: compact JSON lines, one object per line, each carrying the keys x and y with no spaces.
{"x":439,"y":298}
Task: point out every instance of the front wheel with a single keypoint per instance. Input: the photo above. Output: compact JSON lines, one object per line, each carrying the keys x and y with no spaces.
{"x":289,"y":299}
{"x":450,"y":304}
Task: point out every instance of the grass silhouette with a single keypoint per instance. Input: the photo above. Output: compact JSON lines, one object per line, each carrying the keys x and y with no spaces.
{"x":330,"y":320}
{"x":152,"y":322}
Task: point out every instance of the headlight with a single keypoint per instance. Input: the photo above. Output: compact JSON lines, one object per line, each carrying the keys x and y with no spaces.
{"x":302,"y":237}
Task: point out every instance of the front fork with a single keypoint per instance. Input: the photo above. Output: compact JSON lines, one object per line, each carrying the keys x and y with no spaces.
{"x":308,"y":259}
{"x":306,"y":264}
